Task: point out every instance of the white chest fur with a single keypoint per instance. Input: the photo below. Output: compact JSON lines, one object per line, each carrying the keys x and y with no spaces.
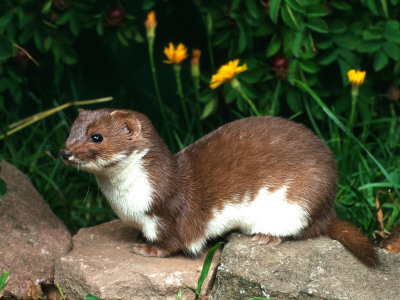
{"x":128,"y":190}
{"x":269,"y":213}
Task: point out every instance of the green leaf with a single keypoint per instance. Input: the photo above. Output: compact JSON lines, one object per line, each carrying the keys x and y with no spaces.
{"x":315,"y":10}
{"x":38,"y":38}
{"x":206,"y":266}
{"x":273,"y":46}
{"x":48,"y":41}
{"x":344,"y":68}
{"x":392,"y":50}
{"x":209,"y":108}
{"x":347,"y":41}
{"x":253,"y":9}
{"x":369,"y":47}
{"x":122,"y":39}
{"x":309,"y":66}
{"x":100,"y":27}
{"x":392,"y":35}
{"x":91,"y":297}
{"x":138,"y":36}
{"x":324,"y":44}
{"x":64,"y":18}
{"x":349,"y":57}
{"x":372,"y":7}
{"x":380,"y":60}
{"x":338,"y":26}
{"x":74,"y":25}
{"x":3,"y":279}
{"x":69,"y":56}
{"x":295,"y":5}
{"x":5,"y":48}
{"x":341,"y":5}
{"x":252,"y":76}
{"x":373,"y":34}
{"x":294,"y":100}
{"x":297,"y":42}
{"x":318,"y":25}
{"x":46,"y":7}
{"x":242,"y":37}
{"x":221,"y":37}
{"x":328,"y":58}
{"x":26,"y":35}
{"x":148,"y":4}
{"x":392,"y":25}
{"x":274,"y":10}
{"x":4,"y":83}
{"x":288,"y":17}
{"x":6,"y":18}
{"x":179,"y":297}
{"x":235,"y":4}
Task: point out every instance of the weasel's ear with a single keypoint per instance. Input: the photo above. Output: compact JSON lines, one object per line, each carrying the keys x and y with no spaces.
{"x":132,"y":126}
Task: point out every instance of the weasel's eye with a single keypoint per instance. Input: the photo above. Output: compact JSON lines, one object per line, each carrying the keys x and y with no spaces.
{"x":96,"y":138}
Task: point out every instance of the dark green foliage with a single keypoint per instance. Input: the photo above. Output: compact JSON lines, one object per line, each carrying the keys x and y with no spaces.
{"x":83,"y":54}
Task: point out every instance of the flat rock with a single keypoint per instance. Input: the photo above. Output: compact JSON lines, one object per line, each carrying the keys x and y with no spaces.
{"x":103,"y":264}
{"x":318,"y":268}
{"x":31,"y":236}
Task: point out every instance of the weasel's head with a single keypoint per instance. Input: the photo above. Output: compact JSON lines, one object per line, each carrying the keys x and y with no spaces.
{"x":102,"y":138}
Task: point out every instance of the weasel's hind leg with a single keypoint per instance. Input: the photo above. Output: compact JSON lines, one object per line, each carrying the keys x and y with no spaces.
{"x":152,"y":250}
{"x":265,"y":239}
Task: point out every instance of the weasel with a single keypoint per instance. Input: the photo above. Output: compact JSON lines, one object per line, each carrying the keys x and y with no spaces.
{"x":265,"y":176}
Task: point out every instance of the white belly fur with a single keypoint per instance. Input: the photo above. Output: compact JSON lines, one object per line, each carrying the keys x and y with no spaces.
{"x":133,"y":197}
{"x":269,"y":213}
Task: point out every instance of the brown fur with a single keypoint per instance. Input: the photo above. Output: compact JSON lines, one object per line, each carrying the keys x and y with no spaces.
{"x":238,"y":158}
{"x":350,"y":237}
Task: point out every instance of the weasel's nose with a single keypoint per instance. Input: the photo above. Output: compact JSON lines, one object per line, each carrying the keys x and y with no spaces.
{"x":65,"y":154}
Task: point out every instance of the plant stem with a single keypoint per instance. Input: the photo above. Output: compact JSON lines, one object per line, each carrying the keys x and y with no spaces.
{"x":354,"y":96}
{"x":236,"y":85}
{"x":157,"y":90}
{"x":196,"y":83}
{"x":385,"y":9}
{"x":177,"y":69}
{"x":275,"y":99}
{"x":393,"y":136}
{"x":39,"y":116}
{"x":210,"y":53}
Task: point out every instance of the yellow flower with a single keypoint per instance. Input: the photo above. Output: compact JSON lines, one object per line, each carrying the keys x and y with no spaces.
{"x":356,"y":78}
{"x":151,"y":23}
{"x":226,"y":73}
{"x":175,"y":56}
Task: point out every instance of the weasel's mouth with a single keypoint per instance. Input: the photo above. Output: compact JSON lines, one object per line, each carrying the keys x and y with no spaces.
{"x":74,"y":162}
{"x":70,"y":159}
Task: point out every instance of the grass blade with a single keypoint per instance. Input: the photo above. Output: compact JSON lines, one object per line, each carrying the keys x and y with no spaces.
{"x":206,"y":266}
{"x":3,"y":279}
{"x":91,"y":297}
{"x":333,"y":117}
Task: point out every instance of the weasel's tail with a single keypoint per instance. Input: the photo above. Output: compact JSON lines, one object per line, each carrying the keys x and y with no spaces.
{"x":358,"y":244}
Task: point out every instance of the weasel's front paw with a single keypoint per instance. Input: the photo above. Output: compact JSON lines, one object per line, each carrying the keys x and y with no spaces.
{"x":265,"y":239}
{"x":149,"y":250}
